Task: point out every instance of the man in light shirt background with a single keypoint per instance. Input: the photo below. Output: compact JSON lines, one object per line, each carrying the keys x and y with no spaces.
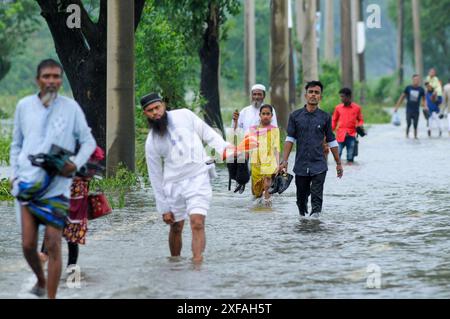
{"x":249,"y":116}
{"x":446,"y":93}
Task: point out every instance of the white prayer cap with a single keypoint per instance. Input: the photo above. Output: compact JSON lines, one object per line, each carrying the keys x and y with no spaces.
{"x":258,"y":87}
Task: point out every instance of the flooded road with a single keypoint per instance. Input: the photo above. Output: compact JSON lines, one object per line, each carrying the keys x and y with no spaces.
{"x":384,"y":233}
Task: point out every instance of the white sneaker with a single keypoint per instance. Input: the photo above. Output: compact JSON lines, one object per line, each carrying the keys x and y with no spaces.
{"x":314,"y":215}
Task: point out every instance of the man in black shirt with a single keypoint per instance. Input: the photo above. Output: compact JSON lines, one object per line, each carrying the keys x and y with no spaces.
{"x":308,"y":127}
{"x":415,"y":95}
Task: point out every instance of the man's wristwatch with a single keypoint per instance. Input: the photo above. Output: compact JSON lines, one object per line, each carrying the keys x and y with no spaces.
{"x":283,"y":162}
{"x":338,"y":163}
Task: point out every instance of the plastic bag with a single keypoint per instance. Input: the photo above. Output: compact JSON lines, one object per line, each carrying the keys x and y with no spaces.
{"x":396,"y":119}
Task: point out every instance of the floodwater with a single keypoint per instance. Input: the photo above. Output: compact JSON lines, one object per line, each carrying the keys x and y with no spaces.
{"x":384,"y":233}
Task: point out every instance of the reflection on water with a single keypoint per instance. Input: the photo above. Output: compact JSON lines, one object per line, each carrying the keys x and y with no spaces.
{"x":390,"y":210}
{"x":310,"y":225}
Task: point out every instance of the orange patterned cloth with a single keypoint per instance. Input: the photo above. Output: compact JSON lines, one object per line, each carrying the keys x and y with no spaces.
{"x":76,"y":222}
{"x":76,"y":232}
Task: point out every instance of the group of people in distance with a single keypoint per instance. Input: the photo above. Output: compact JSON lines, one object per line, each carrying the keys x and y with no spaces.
{"x":434,"y":98}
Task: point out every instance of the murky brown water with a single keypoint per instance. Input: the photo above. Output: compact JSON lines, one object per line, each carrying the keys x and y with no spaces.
{"x":387,"y":219}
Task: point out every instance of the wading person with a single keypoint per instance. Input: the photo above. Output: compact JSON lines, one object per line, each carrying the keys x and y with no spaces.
{"x":433,"y":102}
{"x":76,"y":226}
{"x":178,"y":169}
{"x":347,"y":117}
{"x":446,"y":97}
{"x":307,"y":127}
{"x":434,"y":82}
{"x":264,"y":160}
{"x":249,"y":116}
{"x":41,"y":122}
{"x":415,"y":96}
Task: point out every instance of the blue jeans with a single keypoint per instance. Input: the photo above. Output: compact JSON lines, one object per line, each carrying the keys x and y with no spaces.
{"x":349,"y":143}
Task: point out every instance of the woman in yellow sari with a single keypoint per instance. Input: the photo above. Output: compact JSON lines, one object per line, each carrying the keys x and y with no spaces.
{"x":265,"y":158}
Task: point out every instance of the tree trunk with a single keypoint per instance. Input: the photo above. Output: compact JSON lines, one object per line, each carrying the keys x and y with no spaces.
{"x":417,"y":37}
{"x":329,"y":30}
{"x":120,"y":128}
{"x":292,"y":71}
{"x":82,"y":53}
{"x":354,"y":4}
{"x":300,"y":20}
{"x":250,"y":46}
{"x":309,"y":49}
{"x":209,"y":59}
{"x":346,"y":44}
{"x":279,"y":71}
{"x":400,"y":47}
{"x":300,"y":23}
{"x":361,"y":56}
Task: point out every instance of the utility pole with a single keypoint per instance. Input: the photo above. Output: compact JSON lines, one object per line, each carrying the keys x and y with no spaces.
{"x":309,"y":49}
{"x":354,"y":4}
{"x":329,"y":30}
{"x":279,"y":71}
{"x":250,"y":45}
{"x":417,"y":37}
{"x":346,"y":44}
{"x":400,"y":47}
{"x":292,"y":95}
{"x":120,"y":128}
{"x":361,"y":49}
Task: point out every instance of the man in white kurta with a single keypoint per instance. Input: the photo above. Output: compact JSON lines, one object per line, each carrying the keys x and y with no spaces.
{"x":446,"y":97}
{"x":178,"y":169}
{"x":249,"y":116}
{"x":40,"y":121}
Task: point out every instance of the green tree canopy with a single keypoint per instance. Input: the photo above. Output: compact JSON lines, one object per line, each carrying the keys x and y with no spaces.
{"x":201,"y":21}
{"x":17,"y":20}
{"x":435,"y":29}
{"x":232,"y":59}
{"x":190,"y":16}
{"x":163,"y":62}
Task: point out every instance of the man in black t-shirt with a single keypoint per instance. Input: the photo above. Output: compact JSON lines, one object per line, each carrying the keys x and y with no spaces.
{"x":415,"y":96}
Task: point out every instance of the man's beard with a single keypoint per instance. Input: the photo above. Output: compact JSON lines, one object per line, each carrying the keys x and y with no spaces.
{"x":257,"y":104}
{"x":160,"y":125}
{"x":49,"y":96}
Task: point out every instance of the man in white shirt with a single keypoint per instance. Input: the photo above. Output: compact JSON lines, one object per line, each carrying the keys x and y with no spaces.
{"x":179,"y":171}
{"x":42,"y":121}
{"x":446,"y":97}
{"x":249,"y":116}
